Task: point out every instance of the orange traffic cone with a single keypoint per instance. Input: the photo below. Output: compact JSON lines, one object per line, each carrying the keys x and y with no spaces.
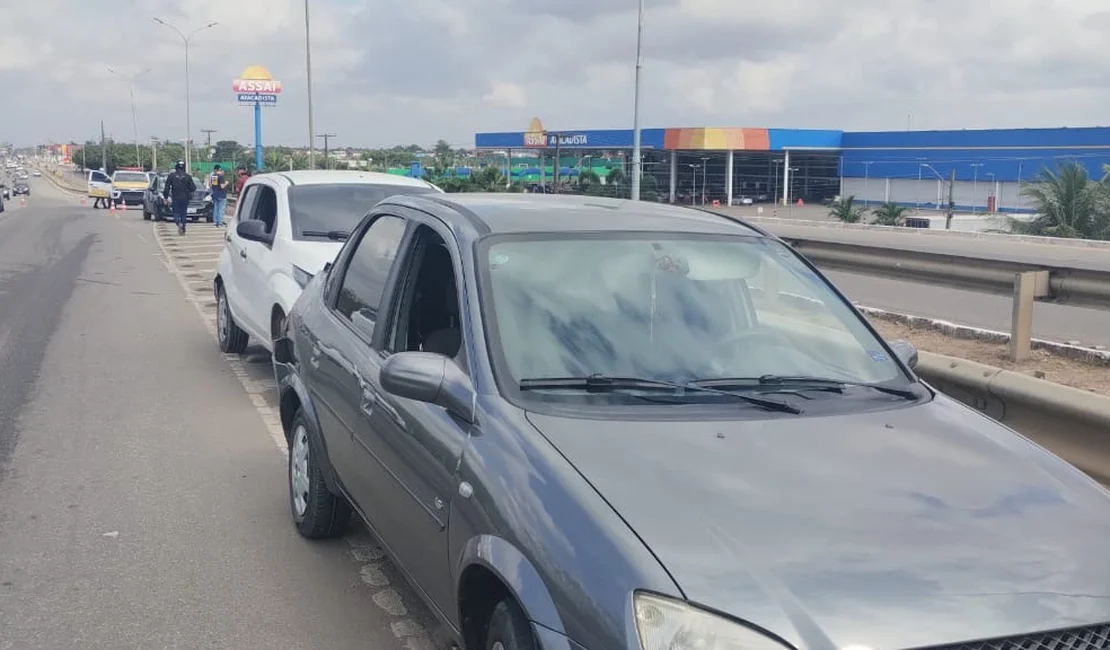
{"x":111,"y":206}
{"x":84,"y":201}
{"x":22,"y":202}
{"x":123,"y":205}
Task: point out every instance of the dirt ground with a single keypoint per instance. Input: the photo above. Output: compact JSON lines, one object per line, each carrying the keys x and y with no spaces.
{"x":1043,"y":365}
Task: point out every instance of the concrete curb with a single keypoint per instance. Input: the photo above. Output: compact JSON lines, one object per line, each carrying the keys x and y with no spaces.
{"x":1092,"y":356}
{"x":60,"y":185}
{"x":1069,"y":422}
{"x":931,"y":232}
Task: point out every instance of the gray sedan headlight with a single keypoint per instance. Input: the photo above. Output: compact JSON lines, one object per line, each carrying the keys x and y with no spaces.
{"x":665,"y":624}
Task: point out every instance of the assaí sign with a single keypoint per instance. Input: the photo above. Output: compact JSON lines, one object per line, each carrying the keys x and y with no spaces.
{"x":568,"y":140}
{"x":538,"y":138}
{"x":535,"y":136}
{"x":256,"y":86}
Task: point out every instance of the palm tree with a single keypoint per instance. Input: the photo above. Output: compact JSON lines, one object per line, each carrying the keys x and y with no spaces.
{"x":445,"y":155}
{"x":889,"y":214}
{"x":487,"y":179}
{"x":275,"y":160}
{"x":1067,"y":203}
{"x":589,"y":177}
{"x":844,"y":210}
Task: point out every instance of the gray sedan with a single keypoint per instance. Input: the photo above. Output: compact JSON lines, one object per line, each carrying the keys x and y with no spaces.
{"x":585,"y":423}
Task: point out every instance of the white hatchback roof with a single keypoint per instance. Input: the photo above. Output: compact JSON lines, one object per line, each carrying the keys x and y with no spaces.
{"x":323,"y":177}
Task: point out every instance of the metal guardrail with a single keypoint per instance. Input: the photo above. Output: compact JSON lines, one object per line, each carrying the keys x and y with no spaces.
{"x":1069,"y":422}
{"x":1026,"y":282}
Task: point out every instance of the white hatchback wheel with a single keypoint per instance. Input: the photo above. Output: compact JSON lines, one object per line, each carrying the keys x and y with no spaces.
{"x":222,"y":318}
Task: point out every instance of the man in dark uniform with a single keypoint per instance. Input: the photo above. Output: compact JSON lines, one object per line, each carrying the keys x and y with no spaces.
{"x":179,"y":190}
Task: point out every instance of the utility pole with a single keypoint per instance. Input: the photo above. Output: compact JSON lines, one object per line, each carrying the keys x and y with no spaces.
{"x":951,"y":200}
{"x":154,"y":154}
{"x":208,"y":143}
{"x":326,"y":137}
{"x":103,"y":150}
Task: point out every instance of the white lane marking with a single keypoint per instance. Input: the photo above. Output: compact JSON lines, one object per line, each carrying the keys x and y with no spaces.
{"x":389,"y":600}
{"x":364,"y":551}
{"x":192,"y":247}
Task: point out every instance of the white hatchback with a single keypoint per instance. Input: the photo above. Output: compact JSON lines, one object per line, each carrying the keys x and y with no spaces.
{"x":287,"y":226}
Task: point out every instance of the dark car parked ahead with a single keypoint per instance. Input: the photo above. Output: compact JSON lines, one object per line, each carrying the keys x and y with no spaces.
{"x":21,"y":188}
{"x":156,"y":207}
{"x":587,"y":423}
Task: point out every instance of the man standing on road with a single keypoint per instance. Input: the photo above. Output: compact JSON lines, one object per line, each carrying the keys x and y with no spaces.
{"x":240,"y":180}
{"x":219,"y":195}
{"x":179,"y":189}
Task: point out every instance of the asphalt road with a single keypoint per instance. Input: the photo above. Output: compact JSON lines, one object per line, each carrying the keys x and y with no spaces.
{"x":1076,"y":256}
{"x":1061,"y":323}
{"x":143,"y":499}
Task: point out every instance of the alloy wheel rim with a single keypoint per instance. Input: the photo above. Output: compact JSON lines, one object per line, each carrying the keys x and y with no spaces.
{"x":222,"y":318}
{"x":298,"y":470}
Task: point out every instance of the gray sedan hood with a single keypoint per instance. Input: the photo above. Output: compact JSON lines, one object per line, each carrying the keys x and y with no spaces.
{"x":905,"y":528}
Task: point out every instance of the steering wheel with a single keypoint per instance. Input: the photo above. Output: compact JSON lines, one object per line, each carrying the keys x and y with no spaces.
{"x":751,"y":337}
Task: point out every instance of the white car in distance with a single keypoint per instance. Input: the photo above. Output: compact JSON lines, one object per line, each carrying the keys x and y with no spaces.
{"x":287,"y":226}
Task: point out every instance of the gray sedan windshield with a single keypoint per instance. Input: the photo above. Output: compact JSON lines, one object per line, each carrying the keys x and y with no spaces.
{"x":675,"y":308}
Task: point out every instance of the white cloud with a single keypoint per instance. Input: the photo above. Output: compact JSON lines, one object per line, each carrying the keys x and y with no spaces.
{"x":395,"y":71}
{"x":509,"y":95}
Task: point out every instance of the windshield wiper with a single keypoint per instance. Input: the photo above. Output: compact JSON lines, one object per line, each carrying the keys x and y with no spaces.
{"x":334,"y":235}
{"x":801,"y":382}
{"x":604,"y":383}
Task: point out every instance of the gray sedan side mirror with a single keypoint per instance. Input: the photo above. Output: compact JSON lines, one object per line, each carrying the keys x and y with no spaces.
{"x":430,"y":378}
{"x":906,"y":352}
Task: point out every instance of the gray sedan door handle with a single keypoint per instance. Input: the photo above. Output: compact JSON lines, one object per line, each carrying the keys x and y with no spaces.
{"x":242,"y":253}
{"x":368,"y":396}
{"x":314,"y":358}
{"x":391,"y":412}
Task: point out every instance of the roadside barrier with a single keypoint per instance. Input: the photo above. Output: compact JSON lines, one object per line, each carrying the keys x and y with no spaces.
{"x":1072,"y":423}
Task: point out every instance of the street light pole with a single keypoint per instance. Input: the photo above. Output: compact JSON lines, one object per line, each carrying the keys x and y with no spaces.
{"x":308,"y":75}
{"x":636,"y":104}
{"x":134,"y":115}
{"x":188,"y":109}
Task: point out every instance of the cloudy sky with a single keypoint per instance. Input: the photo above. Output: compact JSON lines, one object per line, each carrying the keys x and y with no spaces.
{"x":412,"y":71}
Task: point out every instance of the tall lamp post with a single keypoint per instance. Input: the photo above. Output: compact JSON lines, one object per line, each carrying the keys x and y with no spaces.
{"x":188,"y":114}
{"x":134,"y":116}
{"x":636,"y":104}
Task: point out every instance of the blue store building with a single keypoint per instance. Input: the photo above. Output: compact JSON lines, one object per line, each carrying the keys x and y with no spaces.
{"x":733,"y":165}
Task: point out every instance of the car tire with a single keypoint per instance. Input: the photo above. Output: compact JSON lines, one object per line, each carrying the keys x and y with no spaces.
{"x":508,"y":628}
{"x":233,"y":340}
{"x":317,"y":513}
{"x":146,"y":215}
